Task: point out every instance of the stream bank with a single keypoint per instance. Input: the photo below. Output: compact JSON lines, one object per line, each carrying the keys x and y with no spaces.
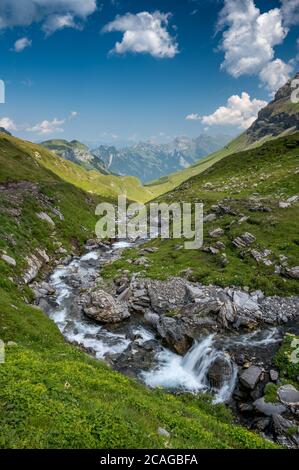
{"x":176,"y":334}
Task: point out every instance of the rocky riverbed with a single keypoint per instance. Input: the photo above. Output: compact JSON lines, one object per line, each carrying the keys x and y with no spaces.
{"x":179,"y":335}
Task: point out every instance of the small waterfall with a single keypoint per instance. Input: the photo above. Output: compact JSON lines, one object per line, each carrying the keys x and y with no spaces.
{"x":190,"y":372}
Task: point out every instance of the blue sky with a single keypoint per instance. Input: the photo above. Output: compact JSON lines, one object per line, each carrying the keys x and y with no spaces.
{"x":67,"y":78}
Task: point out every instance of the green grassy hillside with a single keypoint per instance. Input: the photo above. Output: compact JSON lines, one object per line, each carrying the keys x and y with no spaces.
{"x":25,"y":159}
{"x":250,"y":185}
{"x":52,"y":395}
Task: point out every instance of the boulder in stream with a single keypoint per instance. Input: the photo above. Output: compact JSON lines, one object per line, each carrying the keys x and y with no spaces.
{"x":105,"y":309}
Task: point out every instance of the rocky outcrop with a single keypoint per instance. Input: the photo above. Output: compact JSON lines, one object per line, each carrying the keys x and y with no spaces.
{"x":8,"y":259}
{"x":278,"y":116}
{"x":35,"y":262}
{"x":103,"y":308}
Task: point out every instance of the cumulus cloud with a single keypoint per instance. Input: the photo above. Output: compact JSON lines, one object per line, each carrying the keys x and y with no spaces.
{"x":249,"y":39}
{"x":144,"y":33}
{"x":47,"y":127}
{"x":193,"y":117}
{"x":239,"y":111}
{"x":53,"y":14}
{"x":275,"y":74}
{"x":290,"y":12}
{"x":21,"y":44}
{"x":8,"y":124}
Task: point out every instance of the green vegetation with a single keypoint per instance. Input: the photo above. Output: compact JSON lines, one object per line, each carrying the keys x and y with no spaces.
{"x":52,"y":395}
{"x":27,"y":161}
{"x":287,"y":358}
{"x":251,"y":183}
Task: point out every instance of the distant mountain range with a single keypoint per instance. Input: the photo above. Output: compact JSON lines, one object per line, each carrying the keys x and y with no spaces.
{"x":145,"y":160}
{"x":149,"y":160}
{"x":76,"y":152}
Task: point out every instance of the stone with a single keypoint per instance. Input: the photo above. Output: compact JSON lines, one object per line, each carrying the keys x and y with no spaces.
{"x":281,"y":425}
{"x":34,"y":264}
{"x":219,"y":245}
{"x":293,"y":273}
{"x":46,"y":218}
{"x":151,"y":318}
{"x":209,"y":217}
{"x":105,"y":309}
{"x":288,"y":395}
{"x":142,"y":261}
{"x":268,"y":409}
{"x":243,"y":301}
{"x":250,"y":377}
{"x":163,"y":432}
{"x":274,"y":375}
{"x":172,"y":332}
{"x":9,"y":260}
{"x":220,"y":372}
{"x":166,"y":295}
{"x":244,"y":240}
{"x":218,"y":232}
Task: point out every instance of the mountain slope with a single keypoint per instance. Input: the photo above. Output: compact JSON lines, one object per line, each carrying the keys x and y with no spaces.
{"x":278,"y":118}
{"x":149,"y":160}
{"x":52,"y":394}
{"x":36,"y":157}
{"x":76,"y":152}
{"x":254,"y":191}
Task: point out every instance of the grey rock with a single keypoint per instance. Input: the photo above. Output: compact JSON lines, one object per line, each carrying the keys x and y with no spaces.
{"x":274,"y":375}
{"x":163,"y":432}
{"x":293,"y":273}
{"x":244,"y":240}
{"x":218,"y":232}
{"x":46,"y":218}
{"x":9,"y":260}
{"x":209,"y":217}
{"x":172,"y":332}
{"x":250,"y":377}
{"x":105,"y":309}
{"x":268,"y":409}
{"x":288,"y":395}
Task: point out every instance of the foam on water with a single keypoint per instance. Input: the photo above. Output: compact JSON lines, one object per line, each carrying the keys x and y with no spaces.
{"x":121,"y":244}
{"x":190,"y":372}
{"x":258,"y":338}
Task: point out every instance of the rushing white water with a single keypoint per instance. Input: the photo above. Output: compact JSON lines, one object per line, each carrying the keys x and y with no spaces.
{"x":258,"y":338}
{"x":121,"y":244}
{"x":82,"y":331}
{"x":190,"y":372}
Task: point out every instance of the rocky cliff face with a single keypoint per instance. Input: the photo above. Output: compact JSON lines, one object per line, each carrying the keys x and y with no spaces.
{"x":281,"y":115}
{"x":76,"y":152}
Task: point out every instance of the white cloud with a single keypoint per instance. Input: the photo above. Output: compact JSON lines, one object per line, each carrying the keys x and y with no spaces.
{"x":8,"y":124}
{"x":73,"y":115}
{"x":290,"y":12}
{"x":193,"y":117}
{"x":53,"y":14}
{"x":249,"y":39}
{"x":239,"y":111}
{"x":47,"y":127}
{"x":21,"y":44}
{"x":275,"y":74}
{"x":144,"y":33}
